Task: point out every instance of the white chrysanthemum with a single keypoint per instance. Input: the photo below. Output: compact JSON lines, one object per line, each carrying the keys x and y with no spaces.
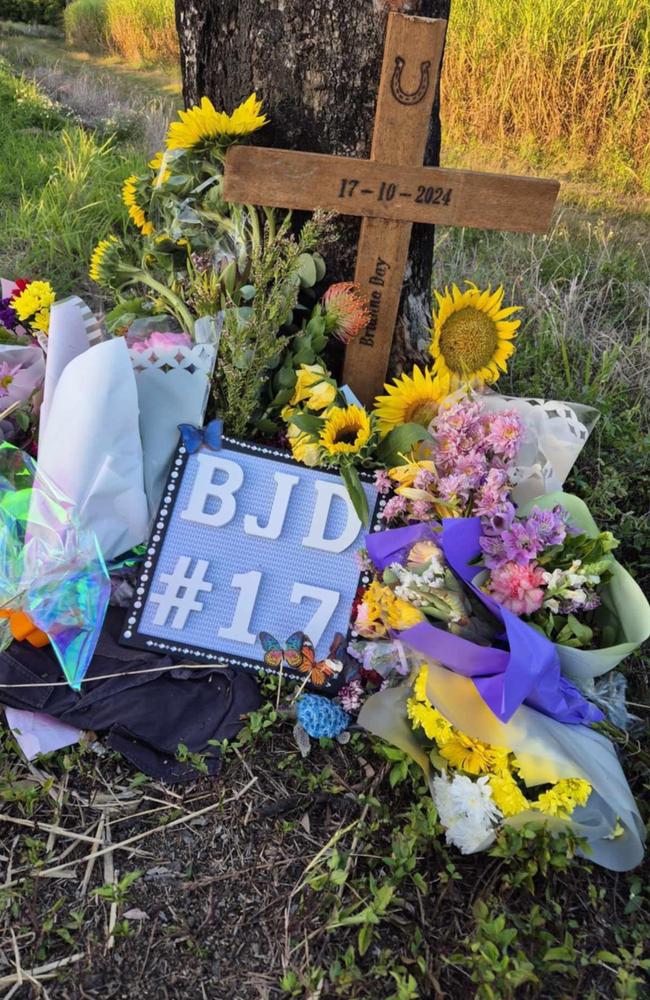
{"x":469,"y":836}
{"x":441,"y":792}
{"x":466,"y":810}
{"x":473,"y":798}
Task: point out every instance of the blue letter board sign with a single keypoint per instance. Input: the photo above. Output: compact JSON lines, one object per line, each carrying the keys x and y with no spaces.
{"x":248,"y":541}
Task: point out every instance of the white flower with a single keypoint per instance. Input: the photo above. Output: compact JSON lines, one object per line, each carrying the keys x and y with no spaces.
{"x":441,"y":793}
{"x":466,"y":810}
{"x":469,"y":836}
{"x":474,"y":798}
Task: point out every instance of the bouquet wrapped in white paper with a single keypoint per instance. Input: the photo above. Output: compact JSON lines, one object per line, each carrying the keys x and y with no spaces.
{"x":588,"y":791}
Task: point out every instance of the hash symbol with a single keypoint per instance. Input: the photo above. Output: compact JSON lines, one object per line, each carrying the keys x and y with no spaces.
{"x":181,"y":592}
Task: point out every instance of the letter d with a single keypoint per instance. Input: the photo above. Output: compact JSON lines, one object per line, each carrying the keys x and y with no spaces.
{"x":315,"y":539}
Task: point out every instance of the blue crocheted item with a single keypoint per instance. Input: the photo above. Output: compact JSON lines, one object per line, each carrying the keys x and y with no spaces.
{"x":320,"y":717}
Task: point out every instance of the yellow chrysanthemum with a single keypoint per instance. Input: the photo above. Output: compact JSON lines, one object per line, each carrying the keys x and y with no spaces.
{"x":432,"y":722}
{"x":314,"y":388}
{"x":472,"y":336}
{"x":420,"y":685}
{"x":33,"y":305}
{"x":347,"y":430}
{"x":507,"y":795}
{"x":102,"y":259}
{"x":406,"y":474}
{"x":411,"y":399}
{"x":136,"y":212}
{"x":157,"y":164}
{"x":203,"y":123}
{"x":472,"y":755}
{"x":563,"y":797}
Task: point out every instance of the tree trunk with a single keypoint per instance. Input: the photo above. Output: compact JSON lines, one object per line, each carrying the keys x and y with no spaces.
{"x":316,"y":65}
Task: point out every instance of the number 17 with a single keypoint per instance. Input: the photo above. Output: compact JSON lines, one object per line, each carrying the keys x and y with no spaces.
{"x":347,"y":187}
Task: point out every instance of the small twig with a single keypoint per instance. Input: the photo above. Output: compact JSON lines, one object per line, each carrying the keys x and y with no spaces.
{"x":46,"y":828}
{"x":42,"y":971}
{"x":123,"y":844}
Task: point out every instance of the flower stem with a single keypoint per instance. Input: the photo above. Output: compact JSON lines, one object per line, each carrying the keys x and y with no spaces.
{"x":181,"y":311}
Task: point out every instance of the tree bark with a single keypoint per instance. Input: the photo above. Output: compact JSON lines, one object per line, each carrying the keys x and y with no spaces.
{"x":316,"y":64}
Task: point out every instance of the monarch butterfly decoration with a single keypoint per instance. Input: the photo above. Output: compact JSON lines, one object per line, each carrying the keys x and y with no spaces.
{"x":298,"y":653}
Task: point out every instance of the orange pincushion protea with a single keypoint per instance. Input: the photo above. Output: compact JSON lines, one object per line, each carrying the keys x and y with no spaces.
{"x":347,"y":311}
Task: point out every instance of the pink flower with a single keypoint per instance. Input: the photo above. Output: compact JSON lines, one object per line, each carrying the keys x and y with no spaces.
{"x":351,"y":696}
{"x":505,"y":433}
{"x":21,"y":373}
{"x":163,"y":341}
{"x":421,"y":510}
{"x":518,"y":588}
{"x":394,"y":508}
{"x":383,"y":483}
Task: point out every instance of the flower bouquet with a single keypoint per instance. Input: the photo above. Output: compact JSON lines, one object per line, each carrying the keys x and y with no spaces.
{"x":485,"y":774}
{"x":551,"y":565}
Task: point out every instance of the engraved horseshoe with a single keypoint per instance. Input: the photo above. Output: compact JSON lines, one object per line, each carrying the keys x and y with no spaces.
{"x":402,"y":95}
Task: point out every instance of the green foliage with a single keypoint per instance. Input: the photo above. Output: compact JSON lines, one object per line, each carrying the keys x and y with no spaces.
{"x":59,"y":188}
{"x":250,"y":346}
{"x":86,"y":25}
{"x":32,"y":11}
{"x":495,"y":964}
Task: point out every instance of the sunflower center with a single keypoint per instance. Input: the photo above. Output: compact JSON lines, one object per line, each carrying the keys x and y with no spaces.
{"x":468,"y":340}
{"x":346,"y":435}
{"x":420,"y":411}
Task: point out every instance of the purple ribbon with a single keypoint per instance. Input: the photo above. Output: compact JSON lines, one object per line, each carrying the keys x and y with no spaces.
{"x":528,"y":674}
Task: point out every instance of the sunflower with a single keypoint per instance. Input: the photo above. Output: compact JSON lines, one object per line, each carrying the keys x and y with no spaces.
{"x":472,"y":336}
{"x":136,"y":212}
{"x":203,"y":124}
{"x":347,"y":431}
{"x":157,"y":164}
{"x":411,"y":399}
{"x":104,"y":260}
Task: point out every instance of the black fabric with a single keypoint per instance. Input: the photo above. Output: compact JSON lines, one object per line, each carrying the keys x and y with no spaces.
{"x":145,"y":716}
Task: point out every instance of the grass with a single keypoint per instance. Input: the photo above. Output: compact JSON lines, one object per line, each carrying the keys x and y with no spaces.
{"x":326,"y":877}
{"x":139,"y":31}
{"x":552,"y":86}
{"x":59,"y":185}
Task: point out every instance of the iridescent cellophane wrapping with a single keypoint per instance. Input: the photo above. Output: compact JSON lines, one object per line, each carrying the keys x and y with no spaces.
{"x":50,"y":568}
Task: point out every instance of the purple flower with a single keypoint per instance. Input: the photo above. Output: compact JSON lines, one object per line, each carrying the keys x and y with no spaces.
{"x":454,"y":485}
{"x":393,"y":509}
{"x":521,"y":542}
{"x":499,"y":522}
{"x":493,"y":553}
{"x":424,"y":479}
{"x":8,"y":317}
{"x":549,"y":525}
{"x":421,"y":510}
{"x":382,"y":481}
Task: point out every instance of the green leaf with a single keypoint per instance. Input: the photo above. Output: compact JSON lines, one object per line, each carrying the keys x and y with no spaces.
{"x":307,"y":271}
{"x":307,"y":422}
{"x":321,"y":267}
{"x":356,"y":492}
{"x":399,"y":442}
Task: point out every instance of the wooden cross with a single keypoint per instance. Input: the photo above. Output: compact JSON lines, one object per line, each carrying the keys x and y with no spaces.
{"x":391,"y":190}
